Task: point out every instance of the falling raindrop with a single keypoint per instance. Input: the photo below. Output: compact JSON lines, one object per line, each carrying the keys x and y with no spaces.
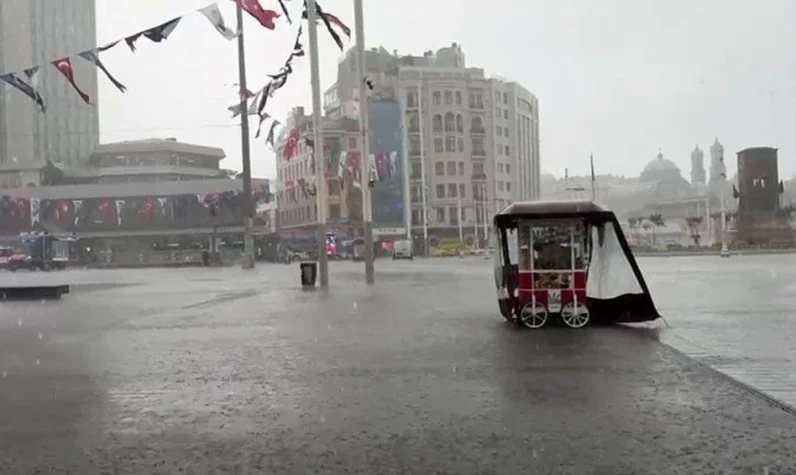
{"x":38,"y":362}
{"x":5,"y":374}
{"x":40,"y":336}
{"x":323,"y":419}
{"x":19,"y":322}
{"x":355,"y":304}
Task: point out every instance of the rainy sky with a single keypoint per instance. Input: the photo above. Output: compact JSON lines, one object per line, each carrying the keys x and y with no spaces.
{"x":620,"y":77}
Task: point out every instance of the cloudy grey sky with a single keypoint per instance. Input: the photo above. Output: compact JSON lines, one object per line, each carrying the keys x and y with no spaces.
{"x":619,"y":77}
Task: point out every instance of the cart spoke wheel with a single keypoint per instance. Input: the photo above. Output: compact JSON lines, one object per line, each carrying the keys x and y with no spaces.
{"x":575,"y":316}
{"x":533,"y":315}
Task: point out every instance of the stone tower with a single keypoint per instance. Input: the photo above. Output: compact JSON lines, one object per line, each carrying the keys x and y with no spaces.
{"x":697,"y":167}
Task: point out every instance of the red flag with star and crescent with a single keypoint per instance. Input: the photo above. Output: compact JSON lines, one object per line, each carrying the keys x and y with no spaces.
{"x":64,"y":66}
{"x":265,"y":17}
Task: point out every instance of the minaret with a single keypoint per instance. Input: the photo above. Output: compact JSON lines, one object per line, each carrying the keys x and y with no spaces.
{"x":697,"y":167}
{"x":718,"y":169}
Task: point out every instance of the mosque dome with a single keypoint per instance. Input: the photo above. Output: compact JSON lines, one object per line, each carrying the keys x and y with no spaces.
{"x":660,"y":167}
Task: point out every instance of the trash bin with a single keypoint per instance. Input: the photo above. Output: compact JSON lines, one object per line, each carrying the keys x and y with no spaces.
{"x":309,"y":273}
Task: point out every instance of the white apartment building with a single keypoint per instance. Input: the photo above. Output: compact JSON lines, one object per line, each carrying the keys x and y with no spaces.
{"x":477,"y":137}
{"x":36,"y":32}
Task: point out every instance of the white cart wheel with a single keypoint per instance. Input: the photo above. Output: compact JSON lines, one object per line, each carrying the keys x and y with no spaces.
{"x":533,"y":315}
{"x":575,"y":316}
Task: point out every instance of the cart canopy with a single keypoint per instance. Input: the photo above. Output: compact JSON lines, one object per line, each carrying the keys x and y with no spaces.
{"x":615,"y":288}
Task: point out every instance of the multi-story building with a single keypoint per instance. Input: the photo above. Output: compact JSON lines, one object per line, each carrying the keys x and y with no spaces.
{"x":36,"y":32}
{"x":476,"y":137}
{"x":297,"y":203}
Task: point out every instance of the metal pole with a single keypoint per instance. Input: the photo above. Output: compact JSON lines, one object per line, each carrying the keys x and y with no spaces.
{"x":476,"y":241}
{"x":246,"y":201}
{"x":367,"y":205}
{"x":320,"y":160}
{"x":423,"y":187}
{"x":459,"y":219}
{"x":483,"y":206}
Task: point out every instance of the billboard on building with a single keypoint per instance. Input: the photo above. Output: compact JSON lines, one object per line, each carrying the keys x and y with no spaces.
{"x":386,"y":144}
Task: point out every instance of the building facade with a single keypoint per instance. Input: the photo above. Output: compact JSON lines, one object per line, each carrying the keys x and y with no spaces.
{"x":36,"y":32}
{"x":475,"y":137}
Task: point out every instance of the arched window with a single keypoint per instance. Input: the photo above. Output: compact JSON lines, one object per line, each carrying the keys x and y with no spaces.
{"x":459,"y":123}
{"x":450,"y":124}
{"x":437,"y":123}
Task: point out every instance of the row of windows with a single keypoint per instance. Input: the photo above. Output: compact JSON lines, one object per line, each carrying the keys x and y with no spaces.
{"x":449,"y":144}
{"x":453,"y":214}
{"x":447,"y":97}
{"x":417,"y":170}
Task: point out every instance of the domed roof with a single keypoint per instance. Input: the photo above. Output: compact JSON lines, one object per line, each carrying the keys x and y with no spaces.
{"x":660,"y":164}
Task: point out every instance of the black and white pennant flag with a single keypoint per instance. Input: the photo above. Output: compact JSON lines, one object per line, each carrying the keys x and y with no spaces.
{"x":93,"y":57}
{"x":212,"y":13}
{"x":14,"y":81}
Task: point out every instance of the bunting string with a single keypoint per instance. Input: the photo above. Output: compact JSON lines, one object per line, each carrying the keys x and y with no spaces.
{"x":27,"y":81}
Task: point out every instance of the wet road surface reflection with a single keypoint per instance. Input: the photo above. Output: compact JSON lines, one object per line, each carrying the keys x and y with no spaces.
{"x":223,"y":370}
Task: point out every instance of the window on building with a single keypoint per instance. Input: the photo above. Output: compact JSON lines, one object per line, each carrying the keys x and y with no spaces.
{"x":440,"y":215}
{"x":448,"y":98}
{"x":414,"y":146}
{"x":508,"y":186}
{"x":416,"y":217}
{"x":461,"y":168}
{"x":500,"y":168}
{"x":500,"y":149}
{"x":506,"y":132}
{"x":497,"y":96}
{"x":436,"y":98}
{"x":458,"y":98}
{"x":505,"y":114}
{"x":450,"y":122}
{"x":334,"y":212}
{"x":440,"y":191}
{"x":508,"y":168}
{"x":439,"y":168}
{"x":411,"y":98}
{"x":459,"y":123}
{"x":438,"y":145}
{"x":498,"y":112}
{"x":436,"y":123}
{"x":499,"y":130}
{"x":462,"y":190}
{"x":414,"y":122}
{"x":417,"y":169}
{"x":479,"y":100}
{"x":450,"y":144}
{"x":352,"y":143}
{"x":507,"y":150}
{"x":454,"y":215}
{"x":464,"y":215}
{"x":505,"y":98}
{"x":451,"y":190}
{"x":478,"y":169}
{"x":451,"y":168}
{"x":478,"y":146}
{"x":477,"y":125}
{"x":460,"y":144}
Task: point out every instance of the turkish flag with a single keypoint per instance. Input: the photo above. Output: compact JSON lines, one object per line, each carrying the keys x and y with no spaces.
{"x":291,"y":145}
{"x":265,"y":17}
{"x":64,"y":66}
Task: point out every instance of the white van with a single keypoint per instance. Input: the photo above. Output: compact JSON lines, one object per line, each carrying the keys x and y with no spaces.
{"x":402,"y":249}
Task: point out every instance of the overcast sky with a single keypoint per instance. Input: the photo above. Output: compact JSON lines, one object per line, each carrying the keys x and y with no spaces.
{"x":620,"y":77}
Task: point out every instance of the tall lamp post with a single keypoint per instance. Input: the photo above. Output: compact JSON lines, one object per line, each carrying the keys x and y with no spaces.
{"x":367,"y":205}
{"x":246,"y":202}
{"x":320,"y":160}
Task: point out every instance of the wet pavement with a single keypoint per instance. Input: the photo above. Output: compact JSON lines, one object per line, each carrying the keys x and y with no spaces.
{"x":226,"y":371}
